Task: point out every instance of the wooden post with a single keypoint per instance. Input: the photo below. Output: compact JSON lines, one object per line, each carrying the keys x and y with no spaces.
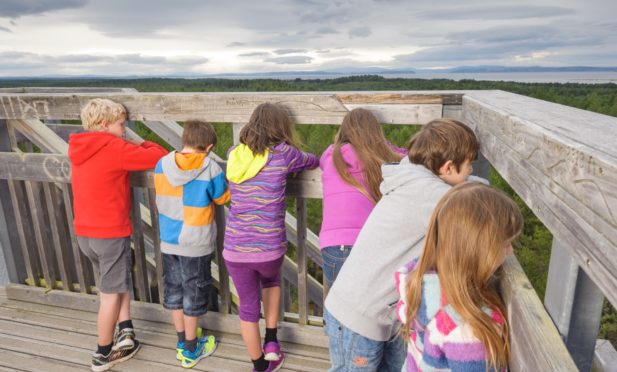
{"x":237,"y":127}
{"x":156,"y":241}
{"x":140,"y":268}
{"x":82,"y":264}
{"x":301,"y":253}
{"x":219,"y":215}
{"x":12,"y":259}
{"x":574,"y":303}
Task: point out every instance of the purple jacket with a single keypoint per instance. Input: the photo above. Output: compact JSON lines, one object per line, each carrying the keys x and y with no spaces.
{"x":345,"y":208}
{"x":255,"y":229}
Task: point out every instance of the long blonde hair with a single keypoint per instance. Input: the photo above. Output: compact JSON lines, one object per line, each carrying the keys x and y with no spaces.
{"x":362,"y":131}
{"x":465,"y":244}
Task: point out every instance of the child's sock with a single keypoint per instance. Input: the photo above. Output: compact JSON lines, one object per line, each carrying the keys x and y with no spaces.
{"x":260,"y":364}
{"x":103,"y":350}
{"x":190,"y":345}
{"x":125,"y":324}
{"x":270,"y":335}
{"x":181,"y":336}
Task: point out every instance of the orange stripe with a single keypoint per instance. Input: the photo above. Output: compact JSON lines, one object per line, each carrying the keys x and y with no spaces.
{"x":223,"y":198}
{"x":164,"y":188}
{"x":197,"y":216}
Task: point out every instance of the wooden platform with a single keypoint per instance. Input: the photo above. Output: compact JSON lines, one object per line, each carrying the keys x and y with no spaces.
{"x":35,"y":336}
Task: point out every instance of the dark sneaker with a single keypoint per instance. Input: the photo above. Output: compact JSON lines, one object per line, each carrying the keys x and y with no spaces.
{"x":205,"y":347}
{"x":180,"y":345}
{"x":276,"y":365}
{"x":124,"y":339}
{"x":272,"y":350}
{"x":104,"y":362}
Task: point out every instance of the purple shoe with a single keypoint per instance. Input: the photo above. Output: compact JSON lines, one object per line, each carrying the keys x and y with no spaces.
{"x":275,"y":365}
{"x":272,"y":351}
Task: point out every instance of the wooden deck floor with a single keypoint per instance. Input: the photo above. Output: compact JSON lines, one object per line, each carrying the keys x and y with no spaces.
{"x":41,"y":337}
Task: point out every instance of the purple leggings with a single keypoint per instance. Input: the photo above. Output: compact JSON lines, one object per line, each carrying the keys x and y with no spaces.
{"x":248,"y":277}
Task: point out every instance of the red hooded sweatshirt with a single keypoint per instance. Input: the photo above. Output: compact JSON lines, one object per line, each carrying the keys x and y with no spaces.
{"x":100,"y":174}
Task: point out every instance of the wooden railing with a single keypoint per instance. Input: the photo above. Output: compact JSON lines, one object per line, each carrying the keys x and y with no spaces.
{"x":561,"y":161}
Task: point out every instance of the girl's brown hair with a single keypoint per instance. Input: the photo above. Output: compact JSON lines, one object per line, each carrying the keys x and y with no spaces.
{"x":465,"y":244}
{"x":362,"y":131}
{"x":268,"y":126}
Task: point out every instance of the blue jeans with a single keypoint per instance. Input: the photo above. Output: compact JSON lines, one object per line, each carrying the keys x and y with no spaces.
{"x":350,"y":351}
{"x":188,"y":281}
{"x":333,"y":259}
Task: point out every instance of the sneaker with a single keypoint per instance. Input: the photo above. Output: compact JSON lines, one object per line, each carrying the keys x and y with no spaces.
{"x":272,"y":351}
{"x":104,"y":362}
{"x":274,"y":365}
{"x":180,"y":345}
{"x":124,"y":339}
{"x":205,"y":347}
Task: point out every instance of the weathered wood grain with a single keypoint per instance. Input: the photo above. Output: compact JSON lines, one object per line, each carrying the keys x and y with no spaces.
{"x":41,"y":135}
{"x":401,"y":113}
{"x":563,"y":163}
{"x":306,"y":108}
{"x":140,"y":272}
{"x":56,"y":219}
{"x":536,"y":344}
{"x":301,"y":260}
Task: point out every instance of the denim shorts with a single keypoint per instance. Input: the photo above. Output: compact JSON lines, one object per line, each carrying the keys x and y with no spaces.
{"x":333,"y":259}
{"x":188,"y":282}
{"x":111,"y":260}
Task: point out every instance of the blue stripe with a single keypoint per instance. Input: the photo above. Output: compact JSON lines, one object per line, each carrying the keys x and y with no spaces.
{"x":218,"y":185}
{"x":195,"y":194}
{"x":170,"y":229}
{"x":159,"y":167}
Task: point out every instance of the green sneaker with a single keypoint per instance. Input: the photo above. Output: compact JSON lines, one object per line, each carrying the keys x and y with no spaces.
{"x":205,"y":347}
{"x":180,"y":345}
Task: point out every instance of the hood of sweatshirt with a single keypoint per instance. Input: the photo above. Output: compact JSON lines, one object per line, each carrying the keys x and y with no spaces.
{"x":180,"y":169}
{"x":399,"y":174}
{"x":243,"y":164}
{"x":83,"y":146}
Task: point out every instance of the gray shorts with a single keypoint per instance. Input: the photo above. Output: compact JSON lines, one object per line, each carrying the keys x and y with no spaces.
{"x":111,"y":258}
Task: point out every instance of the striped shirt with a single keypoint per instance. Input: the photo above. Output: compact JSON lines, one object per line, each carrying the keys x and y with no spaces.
{"x":255,"y":229}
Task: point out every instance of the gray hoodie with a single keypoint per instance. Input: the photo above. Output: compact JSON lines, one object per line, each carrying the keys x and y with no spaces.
{"x":363,"y":297}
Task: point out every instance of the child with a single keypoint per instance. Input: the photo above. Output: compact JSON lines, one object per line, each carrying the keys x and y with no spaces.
{"x":187,"y":183}
{"x":255,"y":237}
{"x":360,"y":319}
{"x":450,"y":294}
{"x":351,"y":177}
{"x":101,"y":160}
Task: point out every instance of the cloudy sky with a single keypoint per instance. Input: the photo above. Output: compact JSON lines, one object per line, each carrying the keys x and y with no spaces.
{"x":155,"y":37}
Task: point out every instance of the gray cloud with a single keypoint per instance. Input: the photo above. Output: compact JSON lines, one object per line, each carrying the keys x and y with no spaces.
{"x":326,"y":31}
{"x":360,"y":32}
{"x":288,"y":51}
{"x":291,"y":60}
{"x":19,"y":8}
{"x":5,"y":29}
{"x":505,"y":12}
{"x":235,"y":44}
{"x":254,"y":54}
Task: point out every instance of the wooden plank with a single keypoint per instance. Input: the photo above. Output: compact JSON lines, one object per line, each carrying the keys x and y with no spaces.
{"x":236,"y":128}
{"x":307,"y":108}
{"x":389,"y":98}
{"x":168,"y":130}
{"x":24,"y":230}
{"x":156,"y":241}
{"x":18,"y":361}
{"x":55,"y":218}
{"x":41,"y":135}
{"x":563,"y":163}
{"x":140,"y":273}
{"x":221,"y":218}
{"x":401,"y":113}
{"x":312,"y":240}
{"x":306,"y":335}
{"x":35,"y":167}
{"x":66,"y":90}
{"x":46,"y":255}
{"x":290,"y":271}
{"x":80,"y":260}
{"x":9,"y":237}
{"x":65,"y":130}
{"x":301,"y":260}
{"x":536,"y":344}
